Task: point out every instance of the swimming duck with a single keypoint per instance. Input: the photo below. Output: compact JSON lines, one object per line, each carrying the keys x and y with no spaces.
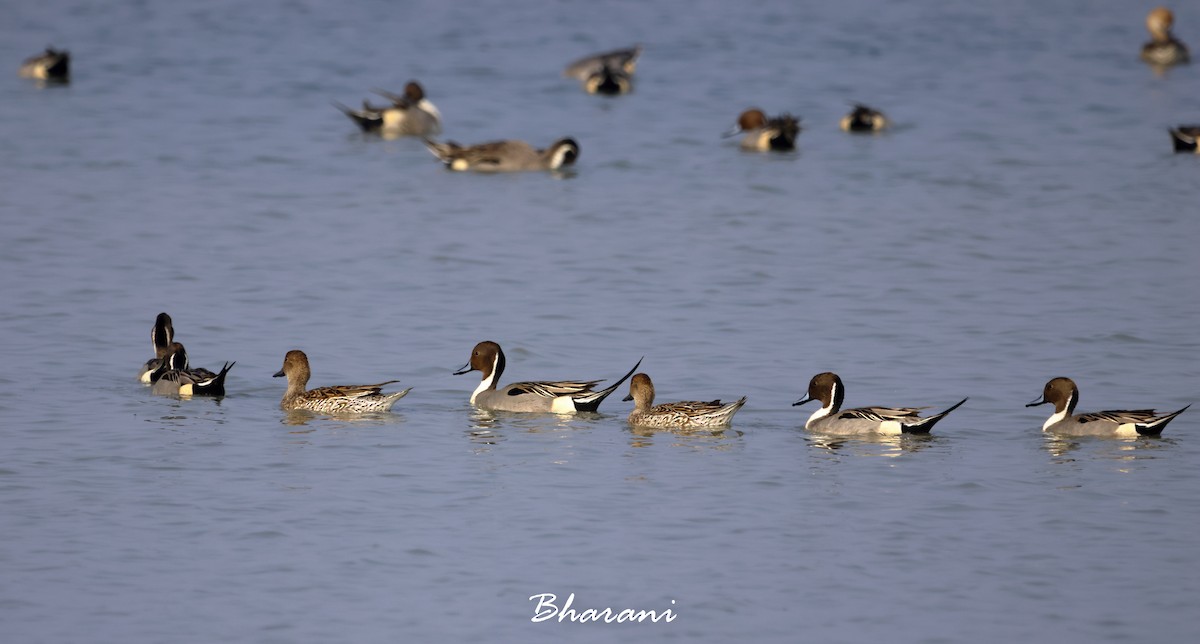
{"x":1185,"y":137}
{"x":410,"y":114}
{"x":864,"y":119}
{"x":161,"y":335}
{"x":1064,"y":395}
{"x":335,"y":399}
{"x":176,"y":378}
{"x":559,"y":397}
{"x":684,"y":414}
{"x":766,"y":134}
{"x":505,"y":156}
{"x":52,"y":65}
{"x":1163,"y":49}
{"x":608,"y":73}
{"x":832,"y":419}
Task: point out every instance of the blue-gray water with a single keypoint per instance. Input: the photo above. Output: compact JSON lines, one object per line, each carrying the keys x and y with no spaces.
{"x":1025,"y":219}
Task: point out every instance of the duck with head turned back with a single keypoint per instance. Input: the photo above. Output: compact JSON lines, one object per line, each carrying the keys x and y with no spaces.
{"x":175,"y":377}
{"x":505,"y":156}
{"x":1064,"y":395}
{"x":51,"y":65}
{"x":410,"y":114}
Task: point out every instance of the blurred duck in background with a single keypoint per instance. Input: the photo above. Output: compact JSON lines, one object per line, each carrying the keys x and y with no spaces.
{"x":51,"y":65}
{"x":1163,"y":49}
{"x":410,"y":114}
{"x":609,"y":73}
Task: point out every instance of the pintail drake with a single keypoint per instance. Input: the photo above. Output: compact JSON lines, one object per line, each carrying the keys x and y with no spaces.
{"x":174,"y":377}
{"x":1064,"y":395}
{"x":1184,"y":137}
{"x":334,"y":399}
{"x":764,"y":134}
{"x":689,"y":414}
{"x":50,"y":65}
{"x":559,"y":397}
{"x":609,"y":73}
{"x":410,"y":114}
{"x":162,"y":334}
{"x":832,"y":419}
{"x":864,"y":119}
{"x":1163,"y":49}
{"x":505,"y":156}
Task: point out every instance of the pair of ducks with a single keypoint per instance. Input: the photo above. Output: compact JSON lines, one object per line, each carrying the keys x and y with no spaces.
{"x":168,"y":372}
{"x":778,"y":134}
{"x":412,"y":114}
{"x":52,"y":65}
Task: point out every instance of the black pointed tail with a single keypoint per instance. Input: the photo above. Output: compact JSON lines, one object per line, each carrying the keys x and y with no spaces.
{"x":592,"y":401}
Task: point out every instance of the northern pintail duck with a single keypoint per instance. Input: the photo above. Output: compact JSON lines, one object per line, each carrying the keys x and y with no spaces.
{"x":162,"y":334}
{"x":410,"y":114}
{"x":1163,"y":49}
{"x":559,"y":397}
{"x":607,"y":73}
{"x":685,"y":414}
{"x":52,"y":65}
{"x":335,"y":399}
{"x":832,"y":419}
{"x":864,"y":119}
{"x":610,"y":73}
{"x":505,"y":156}
{"x":176,"y":378}
{"x":1184,"y":137}
{"x":1064,"y":395}
{"x":766,"y":134}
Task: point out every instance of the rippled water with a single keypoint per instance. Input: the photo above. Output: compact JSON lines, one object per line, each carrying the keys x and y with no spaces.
{"x":1025,"y":218}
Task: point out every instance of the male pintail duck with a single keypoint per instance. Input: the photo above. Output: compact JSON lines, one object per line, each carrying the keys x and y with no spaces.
{"x":505,"y":156}
{"x":1163,"y":49}
{"x":766,"y":134}
{"x":1185,"y":137}
{"x":52,"y":65}
{"x":684,"y":414}
{"x":174,"y":377}
{"x":607,"y":73}
{"x":1064,"y":395}
{"x":335,"y":399}
{"x":832,"y":419}
{"x":410,"y":114}
{"x":864,"y":119}
{"x":162,"y":334}
{"x":559,"y":397}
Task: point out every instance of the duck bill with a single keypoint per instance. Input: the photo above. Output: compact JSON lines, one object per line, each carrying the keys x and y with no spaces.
{"x":627,"y":398}
{"x":465,"y":369}
{"x":279,"y":374}
{"x":734,"y":132}
{"x":1039,"y":401}
{"x":803,"y":400}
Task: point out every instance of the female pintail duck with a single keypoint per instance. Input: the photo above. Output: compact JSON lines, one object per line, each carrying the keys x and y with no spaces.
{"x":174,"y":377}
{"x":864,"y":119}
{"x":410,"y":114}
{"x":1163,"y":49}
{"x":559,"y":397}
{"x":1185,"y":137}
{"x":505,"y":156}
{"x":52,"y":65}
{"x":685,"y":414}
{"x":766,"y":134}
{"x":607,"y":73}
{"x":162,"y":334}
{"x":335,"y":399}
{"x":832,"y":419}
{"x":1064,"y":395}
